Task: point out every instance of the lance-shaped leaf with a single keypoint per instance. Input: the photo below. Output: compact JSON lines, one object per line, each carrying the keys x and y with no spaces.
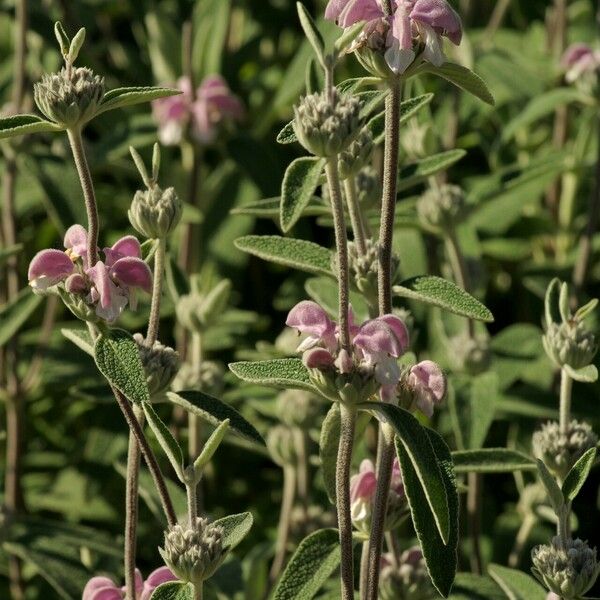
{"x":492,"y":460}
{"x":444,"y":294}
{"x":328,"y":449}
{"x":312,"y":33}
{"x":235,"y":528}
{"x":577,"y":475}
{"x":298,"y":254}
{"x":468,"y":586}
{"x":128,"y":96}
{"x":208,"y":451}
{"x":214,"y":411}
{"x":440,"y":556}
{"x":516,"y":584}
{"x":310,"y":567}
{"x":165,"y":438}
{"x":16,"y":312}
{"x":278,"y":372}
{"x":270,"y":208}
{"x":418,"y":449}
{"x":81,"y":338}
{"x":463,"y":78}
{"x":554,"y":492}
{"x":118,"y":358}
{"x":587,"y":374}
{"x":482,"y":400}
{"x":299,"y":184}
{"x":23,"y":124}
{"x":415,"y":173}
{"x":174,"y":590}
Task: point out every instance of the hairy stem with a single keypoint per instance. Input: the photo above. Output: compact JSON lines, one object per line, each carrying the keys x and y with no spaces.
{"x":194,"y":422}
{"x":356,"y":216}
{"x":566,"y":387}
{"x":283,"y":528}
{"x":474,"y":520}
{"x":157,"y":287}
{"x":342,"y":486}
{"x":192,"y":502}
{"x":364,"y":569}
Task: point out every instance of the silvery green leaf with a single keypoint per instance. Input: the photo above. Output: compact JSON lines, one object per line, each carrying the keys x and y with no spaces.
{"x":128,"y":96}
{"x":23,"y":124}
{"x":492,"y":460}
{"x":312,"y":33}
{"x":165,"y":438}
{"x":300,"y":181}
{"x":577,"y":475}
{"x":587,"y":374}
{"x":415,"y":173}
{"x":15,"y":313}
{"x":298,"y":254}
{"x":563,"y":303}
{"x":81,"y":338}
{"x":346,"y":38}
{"x":551,"y":302}
{"x":62,"y":38}
{"x":586,"y":309}
{"x":516,"y":584}
{"x":174,"y":590}
{"x":118,"y":358}
{"x":76,"y":44}
{"x":328,"y":449}
{"x":215,"y":411}
{"x":354,"y":84}
{"x":310,"y":567}
{"x":236,"y":528}
{"x":554,"y":492}
{"x":444,"y":294}
{"x":270,"y":208}
{"x":468,"y":586}
{"x":279,"y":373}
{"x":483,"y":398}
{"x":210,"y":447}
{"x":287,"y":135}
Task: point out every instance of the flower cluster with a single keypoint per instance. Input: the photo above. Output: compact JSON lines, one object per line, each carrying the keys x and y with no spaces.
{"x":424,"y":387}
{"x":362,"y":495}
{"x":581,"y":61}
{"x":414,"y":28}
{"x":93,"y":292}
{"x":212,"y":104}
{"x":103,"y":588}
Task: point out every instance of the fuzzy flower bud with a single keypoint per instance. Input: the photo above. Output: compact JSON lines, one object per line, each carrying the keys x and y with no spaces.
{"x":560,"y":451}
{"x":281,"y":445}
{"x":193,"y":553}
{"x":297,"y":408}
{"x":161,"y":364}
{"x":368,"y":186}
{"x":569,"y":568}
{"x":408,"y":580}
{"x":442,"y":208}
{"x":327,"y":126}
{"x":570,"y":343}
{"x":357,"y":155}
{"x":70,"y":97}
{"x":470,"y":355}
{"x":206,"y":377}
{"x":155,"y":212}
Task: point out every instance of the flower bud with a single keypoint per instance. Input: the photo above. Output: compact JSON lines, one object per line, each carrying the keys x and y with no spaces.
{"x":281,"y":445}
{"x":206,"y":377}
{"x":70,"y":97}
{"x":368,"y":186}
{"x":349,"y":388}
{"x":408,"y":580}
{"x":77,"y":303}
{"x":193,"y":553}
{"x":196,"y":311}
{"x":297,"y":408}
{"x":357,"y":155}
{"x":364,"y":268}
{"x":442,"y":208}
{"x":155,"y":212}
{"x":560,"y":451}
{"x":470,"y":355}
{"x":371,"y":46}
{"x":570,"y":343}
{"x":423,"y":386}
{"x":326,"y":126}
{"x":568,"y":568}
{"x":161,"y":364}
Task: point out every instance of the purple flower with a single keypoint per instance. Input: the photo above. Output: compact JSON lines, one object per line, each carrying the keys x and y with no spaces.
{"x":427,"y":382}
{"x":376,"y":344}
{"x":411,"y":23}
{"x":103,"y":588}
{"x":107,"y":286}
{"x":580,"y":59}
{"x":213,"y":104}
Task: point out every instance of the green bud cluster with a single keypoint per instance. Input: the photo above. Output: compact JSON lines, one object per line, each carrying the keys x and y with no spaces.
{"x":569,"y":568}
{"x":326,"y":125}
{"x":193,"y":553}
{"x":560,"y":451}
{"x":70,"y":97}
{"x":470,"y":355}
{"x":161,"y":364}
{"x":442,"y":208}
{"x":349,"y":388}
{"x":155,"y":212}
{"x":364,"y":268}
{"x":570,"y":343}
{"x":357,"y":155}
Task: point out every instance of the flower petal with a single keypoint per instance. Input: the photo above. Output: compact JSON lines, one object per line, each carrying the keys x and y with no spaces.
{"x":309,"y":317}
{"x":376,"y":337}
{"x":396,"y":324}
{"x":364,"y":483}
{"x":132,"y":272}
{"x":48,"y":268}
{"x":76,"y":240}
{"x":359,"y":10}
{"x":439,"y":15}
{"x":126,"y":246}
{"x":99,"y":274}
{"x":99,"y":584}
{"x":317,"y":358}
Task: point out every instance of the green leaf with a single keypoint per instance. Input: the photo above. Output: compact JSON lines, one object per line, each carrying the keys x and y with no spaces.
{"x":270,"y":208}
{"x":328,"y":449}
{"x":168,"y":443}
{"x":418,"y":448}
{"x":128,"y":96}
{"x":215,"y":412}
{"x":62,"y":38}
{"x":440,"y":555}
{"x":287,"y":135}
{"x":23,"y":124}
{"x":516,"y":584}
{"x":444,"y":294}
{"x":312,"y":33}
{"x":315,"y":559}
{"x":81,"y":338}
{"x":279,"y":373}
{"x":210,"y":447}
{"x":468,"y":586}
{"x":299,"y":184}
{"x":483,"y":397}
{"x":492,"y":460}
{"x":578,"y":474}
{"x":174,"y":590}
{"x":9,"y":252}
{"x":415,"y":173}
{"x":463,"y":78}
{"x":554,"y":492}
{"x":16,"y":312}
{"x":118,"y":358}
{"x":587,"y":374}
{"x":235,"y":528}
{"x":298,"y":254}
{"x":551,"y":301}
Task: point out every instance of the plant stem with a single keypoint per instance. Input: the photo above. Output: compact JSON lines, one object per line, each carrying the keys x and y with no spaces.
{"x":283,"y":528}
{"x":566,"y":387}
{"x":198,"y":591}
{"x":342,"y":486}
{"x":522,"y":536}
{"x":356,"y":217}
{"x":474,"y":519}
{"x":159,"y":270}
{"x":364,"y":569}
{"x":192,"y":502}
{"x":89,"y":195}
{"x":194,"y":422}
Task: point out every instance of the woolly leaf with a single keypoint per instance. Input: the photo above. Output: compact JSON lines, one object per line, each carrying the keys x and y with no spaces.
{"x":587,"y":374}
{"x":312,"y":33}
{"x":578,"y":474}
{"x":516,"y":584}
{"x":554,"y":492}
{"x":298,"y":254}
{"x":215,"y":412}
{"x":463,"y":78}
{"x":81,"y":338}
{"x":482,"y":401}
{"x":16,"y":312}
{"x":236,"y":528}
{"x":310,"y":567}
{"x":415,"y":173}
{"x":174,"y":590}
{"x":118,"y":358}
{"x":492,"y":460}
{"x":210,"y":447}
{"x":270,"y":208}
{"x":444,"y":294}
{"x":279,"y":372}
{"x":328,"y":449}
{"x":23,"y":124}
{"x":128,"y":96}
{"x":299,"y":184}
{"x":468,"y":586}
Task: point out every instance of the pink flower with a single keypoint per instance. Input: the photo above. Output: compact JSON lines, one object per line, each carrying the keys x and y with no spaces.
{"x":107,"y":286}
{"x":376,"y":344}
{"x":428,"y":384}
{"x":411,"y":21}
{"x":103,"y":588}
{"x":580,"y":59}
{"x":213,"y":104}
